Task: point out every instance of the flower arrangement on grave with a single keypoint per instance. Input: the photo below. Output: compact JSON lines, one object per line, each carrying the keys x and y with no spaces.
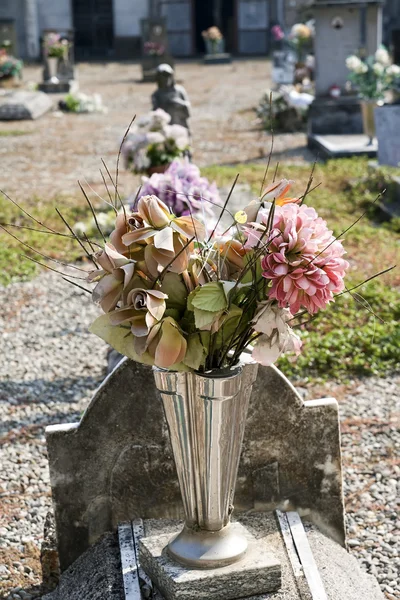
{"x":284,"y":110}
{"x":374,"y":75}
{"x":153,"y":49}
{"x":153,"y":143}
{"x":301,"y":39}
{"x":10,"y":67}
{"x":193,"y":305}
{"x":82,"y":103}
{"x":213,"y":39}
{"x":182,"y":188}
{"x":55,"y":46}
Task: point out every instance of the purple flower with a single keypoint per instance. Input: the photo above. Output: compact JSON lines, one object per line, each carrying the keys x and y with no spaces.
{"x":180,"y":186}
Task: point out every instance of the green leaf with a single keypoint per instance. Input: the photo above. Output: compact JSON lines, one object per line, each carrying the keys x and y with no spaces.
{"x":210,"y":297}
{"x":204,"y":318}
{"x":228,"y":326}
{"x":120,"y":338}
{"x":195,"y":353}
{"x":176,"y":290}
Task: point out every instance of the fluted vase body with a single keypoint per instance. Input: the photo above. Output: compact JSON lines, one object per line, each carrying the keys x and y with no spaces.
{"x":206,"y":416}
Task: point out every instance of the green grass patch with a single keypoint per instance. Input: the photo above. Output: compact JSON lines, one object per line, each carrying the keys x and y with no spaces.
{"x":13,"y":266}
{"x":13,"y":132}
{"x":345,"y":340}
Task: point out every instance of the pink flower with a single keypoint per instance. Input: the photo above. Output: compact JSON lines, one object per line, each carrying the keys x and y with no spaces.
{"x":304,"y":261}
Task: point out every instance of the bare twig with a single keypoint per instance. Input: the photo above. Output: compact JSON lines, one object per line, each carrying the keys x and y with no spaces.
{"x":223,"y":208}
{"x":93,"y":212}
{"x":117,"y":169}
{"x":40,"y":253}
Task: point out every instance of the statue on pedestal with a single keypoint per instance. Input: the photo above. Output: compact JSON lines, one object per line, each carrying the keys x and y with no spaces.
{"x":171,"y":97}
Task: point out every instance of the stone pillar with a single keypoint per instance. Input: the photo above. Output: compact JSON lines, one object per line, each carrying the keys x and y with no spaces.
{"x":32,"y":29}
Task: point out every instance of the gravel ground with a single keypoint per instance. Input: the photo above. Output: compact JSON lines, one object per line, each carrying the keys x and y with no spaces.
{"x":48,"y":372}
{"x":58,"y":149}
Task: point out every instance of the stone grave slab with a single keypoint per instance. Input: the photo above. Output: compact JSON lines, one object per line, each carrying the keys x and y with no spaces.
{"x":19,"y":105}
{"x":342,"y":146}
{"x":116,"y":464}
{"x":99,"y":574}
{"x":387,"y":123}
{"x":222,"y":58}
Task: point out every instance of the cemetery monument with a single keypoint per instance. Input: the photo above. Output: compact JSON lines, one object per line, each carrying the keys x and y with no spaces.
{"x":342,"y":29}
{"x":171,"y":97}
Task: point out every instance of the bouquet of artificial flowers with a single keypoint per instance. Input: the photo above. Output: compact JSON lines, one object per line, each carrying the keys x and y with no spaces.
{"x":179,"y":299}
{"x":153,"y":142}
{"x":55,"y":46}
{"x":9,"y":65}
{"x":82,"y":103}
{"x":301,"y":39}
{"x":153,"y":49}
{"x":373,"y":76}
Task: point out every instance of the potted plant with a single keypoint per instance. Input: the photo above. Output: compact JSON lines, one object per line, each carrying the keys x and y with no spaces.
{"x":372,"y":78}
{"x":55,"y":49}
{"x":153,"y":143}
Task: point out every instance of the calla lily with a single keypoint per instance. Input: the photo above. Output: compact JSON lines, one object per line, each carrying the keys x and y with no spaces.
{"x":158,"y":259}
{"x":113,"y":278}
{"x":234,"y":252}
{"x":166,"y":344}
{"x":154,"y":212}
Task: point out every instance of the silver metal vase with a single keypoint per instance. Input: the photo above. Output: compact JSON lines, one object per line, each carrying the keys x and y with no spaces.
{"x":206,"y":416}
{"x":52,"y":66}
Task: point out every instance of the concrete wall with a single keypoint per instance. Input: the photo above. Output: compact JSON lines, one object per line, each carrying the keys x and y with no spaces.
{"x":127,"y":16}
{"x":54,"y":13}
{"x":333,"y":46}
{"x":14,"y":10}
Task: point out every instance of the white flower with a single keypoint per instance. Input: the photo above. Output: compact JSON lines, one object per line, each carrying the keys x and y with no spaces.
{"x":378,"y":69}
{"x":155,"y":137}
{"x":382,"y":56}
{"x":278,"y":337}
{"x":158,"y":119}
{"x":393,"y":71}
{"x":353,"y":63}
{"x":179,"y":134}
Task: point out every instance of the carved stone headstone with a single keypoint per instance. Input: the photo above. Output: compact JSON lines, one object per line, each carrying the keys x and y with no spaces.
{"x":18,"y":105}
{"x":154,"y":46}
{"x":116,"y":464}
{"x":387,"y":124}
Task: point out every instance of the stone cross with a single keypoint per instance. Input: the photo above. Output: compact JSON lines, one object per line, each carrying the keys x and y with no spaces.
{"x":116,"y":464}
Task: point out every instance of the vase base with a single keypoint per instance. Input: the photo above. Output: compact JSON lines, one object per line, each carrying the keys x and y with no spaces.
{"x":208,"y":549}
{"x":257,"y":572}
